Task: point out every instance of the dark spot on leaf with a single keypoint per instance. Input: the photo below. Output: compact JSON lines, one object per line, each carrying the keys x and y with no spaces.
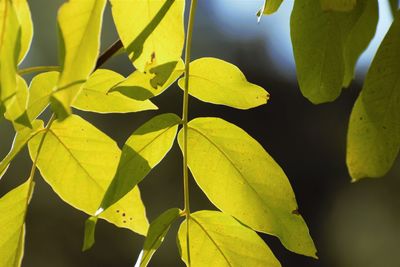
{"x":130,"y":218}
{"x":124,"y":221}
{"x":117,"y":211}
{"x":296,"y":212}
{"x":361,"y":118}
{"x":123,"y":214}
{"x":153,"y":57}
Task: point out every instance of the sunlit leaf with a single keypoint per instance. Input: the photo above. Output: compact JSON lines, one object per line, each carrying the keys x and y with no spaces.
{"x":20,"y":140}
{"x":155,"y":36}
{"x":243,"y":180}
{"x":216,"y":81}
{"x":83,"y":163}
{"x":9,"y":51}
{"x":95,"y":97}
{"x":338,"y":5}
{"x":155,"y":236}
{"x":374,"y":131}
{"x":217,"y":239}
{"x":16,"y":111}
{"x":144,"y":149}
{"x":25,"y":21}
{"x":154,"y":81}
{"x":12,"y":225}
{"x":80,"y":25}
{"x":40,"y":89}
{"x":269,"y":7}
{"x":326,"y":45}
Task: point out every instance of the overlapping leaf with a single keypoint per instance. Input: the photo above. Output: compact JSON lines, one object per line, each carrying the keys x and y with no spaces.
{"x":242,"y":179}
{"x":16,"y":111}
{"x":80,"y":25}
{"x":156,"y":34}
{"x":146,"y":147}
{"x":155,"y":236}
{"x":374,"y":131}
{"x":20,"y":140}
{"x":327,"y":45}
{"x":12,"y":225}
{"x":95,"y":96}
{"x":25,"y":20}
{"x":217,"y":239}
{"x":216,"y":81}
{"x":83,"y":163}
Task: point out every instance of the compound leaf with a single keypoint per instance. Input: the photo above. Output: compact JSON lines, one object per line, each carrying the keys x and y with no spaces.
{"x":155,"y":36}
{"x":96,"y":98}
{"x":217,"y":239}
{"x":216,"y":81}
{"x":83,"y":162}
{"x":374,"y":130}
{"x":242,"y":179}
{"x":144,"y":149}
{"x":155,"y":236}
{"x":326,"y":46}
{"x":12,"y":225}
{"x":80,"y":25}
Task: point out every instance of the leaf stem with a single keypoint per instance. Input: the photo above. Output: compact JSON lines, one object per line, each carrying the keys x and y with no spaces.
{"x":38,"y":69}
{"x":185,"y":113}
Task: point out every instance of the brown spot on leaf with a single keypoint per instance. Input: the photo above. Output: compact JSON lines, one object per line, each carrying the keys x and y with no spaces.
{"x":296,"y":212}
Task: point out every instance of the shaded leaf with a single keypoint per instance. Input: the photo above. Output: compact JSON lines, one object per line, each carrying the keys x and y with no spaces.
{"x":12,"y":225}
{"x":326,"y":46}
{"x":95,"y":97}
{"x":243,"y":180}
{"x":144,"y":149}
{"x":216,"y":81}
{"x":25,"y":21}
{"x":394,"y":6}
{"x":83,"y":163}
{"x":154,"y":81}
{"x":155,"y":36}
{"x":373,"y":139}
{"x":90,"y":228}
{"x":217,"y":239}
{"x":20,"y":140}
{"x":80,"y":25}
{"x":338,"y":5}
{"x":155,"y":236}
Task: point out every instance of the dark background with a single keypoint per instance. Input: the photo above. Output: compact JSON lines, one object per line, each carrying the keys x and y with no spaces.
{"x":352,"y":224}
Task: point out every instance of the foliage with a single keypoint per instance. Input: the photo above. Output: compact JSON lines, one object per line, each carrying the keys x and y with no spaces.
{"x":88,"y":170}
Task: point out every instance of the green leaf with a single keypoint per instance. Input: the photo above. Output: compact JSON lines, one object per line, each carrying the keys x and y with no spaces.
{"x":373,"y":139}
{"x":16,"y":112}
{"x":338,"y":5}
{"x":40,"y":90}
{"x":144,"y":149}
{"x":9,"y":51}
{"x":25,"y":20}
{"x":269,"y":7}
{"x":155,"y":36}
{"x":80,"y":26}
{"x":217,"y":239}
{"x":12,"y":225}
{"x":394,"y":6}
{"x":326,"y":46}
{"x":216,"y":81}
{"x":90,"y":228}
{"x":95,"y":97}
{"x":243,"y":180}
{"x":155,"y":236}
{"x":20,"y":140}
{"x":154,"y":81}
{"x":83,"y":163}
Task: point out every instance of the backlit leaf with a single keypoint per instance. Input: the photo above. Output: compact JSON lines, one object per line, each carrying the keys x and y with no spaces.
{"x":216,"y":81}
{"x":217,"y":239}
{"x":12,"y":225}
{"x":155,"y":36}
{"x":154,"y":81}
{"x":80,"y":25}
{"x":270,"y":7}
{"x":144,"y":149}
{"x":20,"y":140}
{"x":243,"y":180}
{"x":95,"y":97}
{"x":155,"y":236}
{"x":374,"y":131}
{"x":338,"y":5}
{"x":83,"y":163}
{"x":25,"y":20}
{"x":326,"y":45}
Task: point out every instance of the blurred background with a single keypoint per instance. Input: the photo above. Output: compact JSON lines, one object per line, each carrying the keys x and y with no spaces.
{"x":353,"y":225}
